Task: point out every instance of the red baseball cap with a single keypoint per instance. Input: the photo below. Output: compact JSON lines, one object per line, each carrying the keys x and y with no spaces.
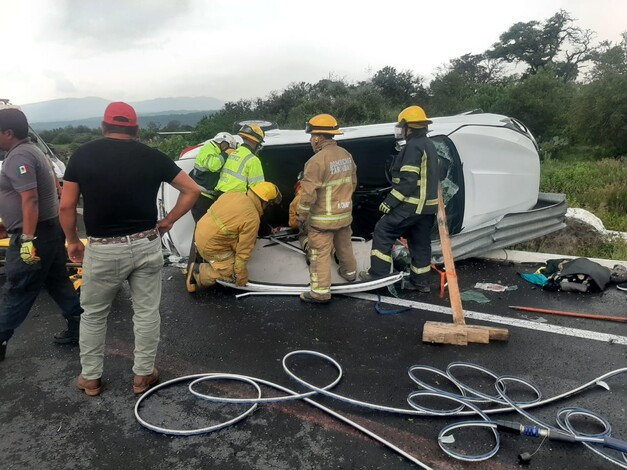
{"x":119,"y":113}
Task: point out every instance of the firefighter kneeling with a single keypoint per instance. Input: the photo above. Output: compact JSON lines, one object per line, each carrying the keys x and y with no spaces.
{"x":225,"y":236}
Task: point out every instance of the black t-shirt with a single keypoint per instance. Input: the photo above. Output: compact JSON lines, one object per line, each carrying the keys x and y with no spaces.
{"x":119,"y":181}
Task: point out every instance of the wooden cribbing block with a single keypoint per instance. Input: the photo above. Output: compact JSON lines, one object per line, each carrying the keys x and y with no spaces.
{"x":461,"y":335}
{"x":458,"y":332}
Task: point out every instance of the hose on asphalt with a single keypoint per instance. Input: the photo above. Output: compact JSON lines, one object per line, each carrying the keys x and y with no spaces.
{"x":469,"y":401}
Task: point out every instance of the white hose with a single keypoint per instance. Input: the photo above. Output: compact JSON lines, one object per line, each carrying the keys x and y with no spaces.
{"x":468,"y":400}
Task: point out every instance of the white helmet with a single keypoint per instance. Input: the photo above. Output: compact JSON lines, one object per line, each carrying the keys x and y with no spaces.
{"x":225,"y":137}
{"x":238,"y":140}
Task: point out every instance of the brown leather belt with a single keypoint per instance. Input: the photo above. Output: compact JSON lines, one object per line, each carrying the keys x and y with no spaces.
{"x":149,"y":234}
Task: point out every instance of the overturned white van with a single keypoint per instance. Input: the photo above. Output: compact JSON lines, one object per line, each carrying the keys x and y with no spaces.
{"x":490,"y":172}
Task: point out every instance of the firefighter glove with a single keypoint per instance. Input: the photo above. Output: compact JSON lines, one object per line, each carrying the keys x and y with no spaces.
{"x":28,"y":253}
{"x":385,"y":207}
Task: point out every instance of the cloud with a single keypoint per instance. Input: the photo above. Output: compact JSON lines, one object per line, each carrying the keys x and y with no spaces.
{"x":61,"y":82}
{"x":114,"y":24}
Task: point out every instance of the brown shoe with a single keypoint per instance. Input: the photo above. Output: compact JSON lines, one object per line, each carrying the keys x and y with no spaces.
{"x":91,"y":387}
{"x":142,"y":383}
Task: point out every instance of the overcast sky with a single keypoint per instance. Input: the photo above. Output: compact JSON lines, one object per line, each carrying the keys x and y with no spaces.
{"x":141,"y":49}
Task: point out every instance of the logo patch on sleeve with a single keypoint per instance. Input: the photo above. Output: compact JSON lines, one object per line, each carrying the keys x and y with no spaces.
{"x":22,"y":170}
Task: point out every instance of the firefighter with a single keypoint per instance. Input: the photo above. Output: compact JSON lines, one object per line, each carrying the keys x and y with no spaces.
{"x":226,"y":235}
{"x":206,"y":174}
{"x":242,"y":169}
{"x":326,"y":207}
{"x":207,"y":168}
{"x":410,"y":207}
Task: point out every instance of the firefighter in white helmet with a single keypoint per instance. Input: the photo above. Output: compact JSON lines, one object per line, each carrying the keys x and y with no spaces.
{"x":325,"y":209}
{"x":206,"y":172}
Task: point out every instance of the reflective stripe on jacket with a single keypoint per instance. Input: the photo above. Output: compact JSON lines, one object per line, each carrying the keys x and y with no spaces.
{"x":230,"y":226}
{"x":415,"y":174}
{"x":241,"y":170}
{"x":329,"y":180}
{"x":207,"y":166}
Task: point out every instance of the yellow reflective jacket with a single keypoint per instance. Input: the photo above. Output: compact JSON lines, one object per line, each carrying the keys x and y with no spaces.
{"x":229,"y":228}
{"x":207,"y":166}
{"x":329,"y":180}
{"x":241,"y":170}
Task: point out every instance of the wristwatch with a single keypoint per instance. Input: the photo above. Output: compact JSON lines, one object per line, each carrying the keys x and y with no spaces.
{"x":26,"y":238}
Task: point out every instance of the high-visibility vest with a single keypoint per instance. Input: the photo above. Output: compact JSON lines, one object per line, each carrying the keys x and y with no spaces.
{"x":207,"y":166}
{"x":241,"y":170}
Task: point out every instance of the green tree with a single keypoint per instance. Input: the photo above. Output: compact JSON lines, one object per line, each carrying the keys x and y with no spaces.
{"x":555,"y":42}
{"x":609,"y":59}
{"x":62,"y":138}
{"x":172,"y":146}
{"x":542,"y":101}
{"x":599,"y":114}
{"x":465,"y":84}
{"x":399,"y":88}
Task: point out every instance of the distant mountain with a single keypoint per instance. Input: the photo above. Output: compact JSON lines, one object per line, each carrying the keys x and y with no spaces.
{"x":79,"y":109}
{"x":160,"y":119}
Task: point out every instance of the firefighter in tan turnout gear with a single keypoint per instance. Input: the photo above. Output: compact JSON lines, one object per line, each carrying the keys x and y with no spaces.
{"x":325,"y":209}
{"x":226,"y":235}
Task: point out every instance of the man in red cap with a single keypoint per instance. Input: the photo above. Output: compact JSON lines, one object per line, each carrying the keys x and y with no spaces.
{"x":119,"y":179}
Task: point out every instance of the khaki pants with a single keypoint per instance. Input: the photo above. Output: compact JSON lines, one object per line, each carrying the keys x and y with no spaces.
{"x":321,"y":244}
{"x":105,"y":268}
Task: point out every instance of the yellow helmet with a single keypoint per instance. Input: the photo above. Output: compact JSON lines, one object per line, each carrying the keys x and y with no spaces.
{"x":252,"y":132}
{"x":413,"y":116}
{"x":267,"y":192}
{"x":322,"y":124}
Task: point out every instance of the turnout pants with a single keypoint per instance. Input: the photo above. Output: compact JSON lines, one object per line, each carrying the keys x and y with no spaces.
{"x":216,"y":267}
{"x":416,"y":229}
{"x":321,"y":244}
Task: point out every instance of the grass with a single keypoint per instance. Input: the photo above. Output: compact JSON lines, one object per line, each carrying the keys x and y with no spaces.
{"x":599,"y":186}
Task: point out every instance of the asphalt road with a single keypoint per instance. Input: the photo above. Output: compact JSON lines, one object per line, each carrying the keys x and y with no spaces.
{"x":47,"y":423}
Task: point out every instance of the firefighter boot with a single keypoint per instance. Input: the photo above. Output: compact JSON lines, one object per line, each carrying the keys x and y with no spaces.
{"x":190,"y":282}
{"x":309,"y":298}
{"x":350,"y":277}
{"x":71,"y":334}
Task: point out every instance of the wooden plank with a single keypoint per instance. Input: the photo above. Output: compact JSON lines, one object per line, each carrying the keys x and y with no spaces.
{"x":498,"y":334}
{"x":447,"y":252}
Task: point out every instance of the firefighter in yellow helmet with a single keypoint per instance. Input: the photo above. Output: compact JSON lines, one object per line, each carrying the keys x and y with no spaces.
{"x":242,"y":169}
{"x":325,"y":209}
{"x":226,"y":235}
{"x":410,"y":207}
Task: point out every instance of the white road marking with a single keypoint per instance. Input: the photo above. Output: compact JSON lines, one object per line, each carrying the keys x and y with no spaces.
{"x":530,"y":325}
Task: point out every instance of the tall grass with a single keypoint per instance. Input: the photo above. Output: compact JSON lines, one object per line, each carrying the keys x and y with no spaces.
{"x":598,"y":186}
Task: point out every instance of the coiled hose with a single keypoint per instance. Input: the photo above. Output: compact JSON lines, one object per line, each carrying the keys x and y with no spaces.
{"x":467,"y":403}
